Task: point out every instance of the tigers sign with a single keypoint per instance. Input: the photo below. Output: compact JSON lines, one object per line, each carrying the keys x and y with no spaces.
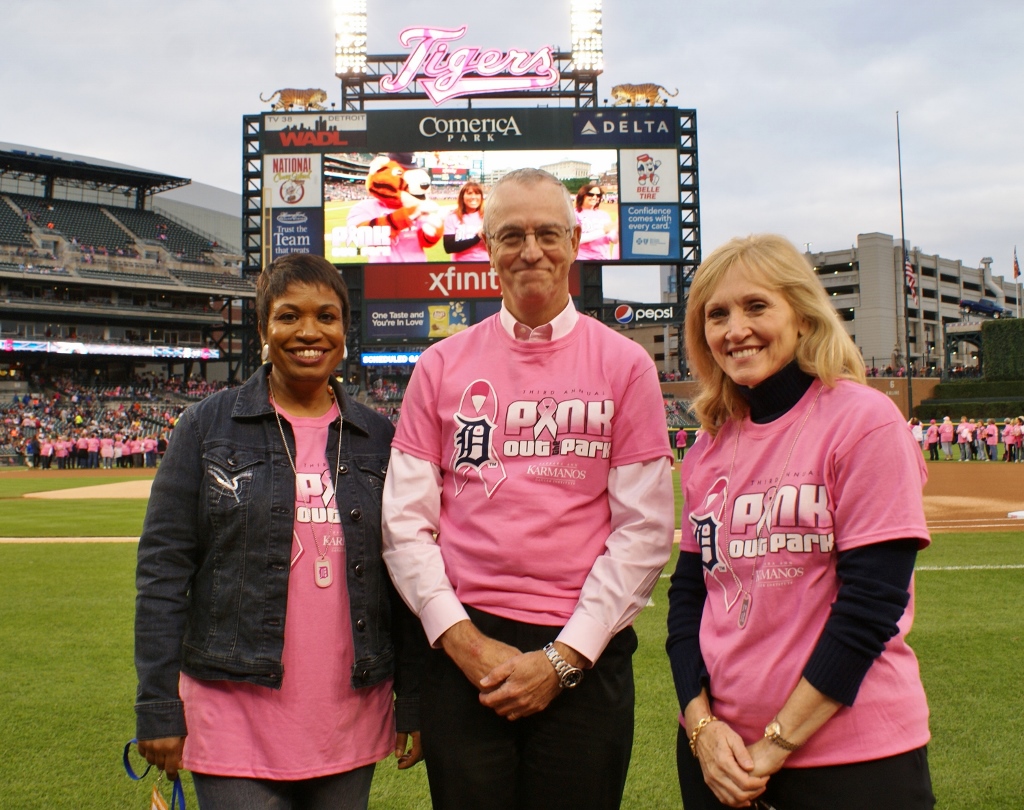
{"x":445,"y":73}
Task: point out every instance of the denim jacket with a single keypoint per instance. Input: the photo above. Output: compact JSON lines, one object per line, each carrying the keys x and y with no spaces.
{"x":215,"y":551}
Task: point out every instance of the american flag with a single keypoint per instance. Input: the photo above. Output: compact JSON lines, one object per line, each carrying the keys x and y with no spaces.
{"x":1016,"y":267}
{"x":908,"y":274}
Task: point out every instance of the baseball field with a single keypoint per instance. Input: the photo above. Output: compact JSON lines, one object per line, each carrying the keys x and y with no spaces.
{"x":67,"y":555}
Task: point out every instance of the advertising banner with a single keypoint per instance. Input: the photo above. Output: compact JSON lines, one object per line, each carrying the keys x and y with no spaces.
{"x":428,"y":130}
{"x":302,"y":132}
{"x":384,"y":282}
{"x":648,"y":175}
{"x":631,"y":127}
{"x":300,"y":230}
{"x":293,"y":217}
{"x":650,"y":232}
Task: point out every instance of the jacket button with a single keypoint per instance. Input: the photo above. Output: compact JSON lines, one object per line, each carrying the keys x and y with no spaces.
{"x":361,"y":625}
{"x":364,"y":675}
{"x":358,"y":569}
{"x":343,"y":469}
{"x":355,"y":514}
{"x":232,"y":462}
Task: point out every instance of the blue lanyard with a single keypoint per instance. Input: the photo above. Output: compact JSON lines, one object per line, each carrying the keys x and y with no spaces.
{"x":177,"y":792}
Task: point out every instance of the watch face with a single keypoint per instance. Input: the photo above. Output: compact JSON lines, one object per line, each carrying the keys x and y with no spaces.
{"x":572,"y":678}
{"x":773,"y":729}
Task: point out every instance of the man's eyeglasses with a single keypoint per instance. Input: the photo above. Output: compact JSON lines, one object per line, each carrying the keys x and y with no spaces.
{"x":548,"y":238}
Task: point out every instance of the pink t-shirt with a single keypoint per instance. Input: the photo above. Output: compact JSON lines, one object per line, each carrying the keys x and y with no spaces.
{"x":965,"y":432}
{"x":946,"y":430}
{"x":992,"y":433}
{"x":525,"y":434}
{"x":595,"y":242}
{"x":316,"y":724}
{"x":404,"y":246}
{"x":466,"y":228}
{"x":835,"y":496}
{"x":107,"y":448}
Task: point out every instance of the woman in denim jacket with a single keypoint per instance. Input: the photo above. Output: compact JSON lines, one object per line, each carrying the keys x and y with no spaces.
{"x":274,"y":658}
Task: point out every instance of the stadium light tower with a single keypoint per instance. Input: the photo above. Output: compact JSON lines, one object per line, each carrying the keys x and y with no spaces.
{"x":349,"y":37}
{"x":587,"y":40}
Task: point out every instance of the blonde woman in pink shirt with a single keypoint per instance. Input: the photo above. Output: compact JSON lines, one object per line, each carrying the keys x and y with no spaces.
{"x":793,"y":594}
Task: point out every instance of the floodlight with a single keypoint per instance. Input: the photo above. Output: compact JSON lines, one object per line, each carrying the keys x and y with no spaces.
{"x":349,"y":37}
{"x":587,"y":41}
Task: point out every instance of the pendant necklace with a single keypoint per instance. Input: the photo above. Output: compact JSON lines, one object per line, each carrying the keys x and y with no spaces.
{"x":747,"y":593}
{"x":323,"y":572}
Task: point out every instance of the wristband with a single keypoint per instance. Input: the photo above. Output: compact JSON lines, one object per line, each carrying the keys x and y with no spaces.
{"x":697,"y":729}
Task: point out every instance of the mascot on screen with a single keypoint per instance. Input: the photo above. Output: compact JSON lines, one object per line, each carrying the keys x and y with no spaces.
{"x":402,"y":221}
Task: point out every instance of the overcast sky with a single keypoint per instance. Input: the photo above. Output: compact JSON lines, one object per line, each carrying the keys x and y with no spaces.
{"x":796,"y":99}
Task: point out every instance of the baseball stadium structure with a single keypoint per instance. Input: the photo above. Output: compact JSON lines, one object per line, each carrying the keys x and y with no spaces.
{"x":103,"y":271}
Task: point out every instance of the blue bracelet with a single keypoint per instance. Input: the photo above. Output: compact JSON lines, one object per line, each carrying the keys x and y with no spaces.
{"x":177,"y":792}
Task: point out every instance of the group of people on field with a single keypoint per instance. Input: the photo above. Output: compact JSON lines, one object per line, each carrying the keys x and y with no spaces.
{"x":318,"y":590}
{"x":975,"y":439}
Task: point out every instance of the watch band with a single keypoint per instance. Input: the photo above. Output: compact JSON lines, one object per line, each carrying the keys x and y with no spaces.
{"x":569,"y":676}
{"x":773,"y":733}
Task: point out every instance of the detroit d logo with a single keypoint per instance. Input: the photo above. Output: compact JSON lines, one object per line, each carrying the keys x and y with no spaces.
{"x":705,"y":531}
{"x":472,"y":441}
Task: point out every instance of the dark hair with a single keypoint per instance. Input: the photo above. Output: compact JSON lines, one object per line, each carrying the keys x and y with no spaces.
{"x":298,"y":268}
{"x":584,"y":191}
{"x":460,"y":208}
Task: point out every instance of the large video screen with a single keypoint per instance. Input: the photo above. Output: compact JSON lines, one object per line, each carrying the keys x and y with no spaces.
{"x":405,"y":186}
{"x":417,"y":207}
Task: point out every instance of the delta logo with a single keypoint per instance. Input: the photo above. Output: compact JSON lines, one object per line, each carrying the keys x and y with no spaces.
{"x":623,"y":313}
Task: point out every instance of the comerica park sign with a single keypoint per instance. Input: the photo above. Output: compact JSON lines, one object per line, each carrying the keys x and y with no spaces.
{"x":445,"y":73}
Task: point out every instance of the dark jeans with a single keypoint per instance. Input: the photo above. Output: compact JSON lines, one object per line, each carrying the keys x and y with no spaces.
{"x":573,"y":754}
{"x":343,"y":791}
{"x":900,"y":782}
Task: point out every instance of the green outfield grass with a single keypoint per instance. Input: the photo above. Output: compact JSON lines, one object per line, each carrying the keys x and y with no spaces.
{"x":68,"y":683}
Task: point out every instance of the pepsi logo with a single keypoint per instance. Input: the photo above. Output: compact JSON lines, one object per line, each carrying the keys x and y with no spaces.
{"x":623,"y":313}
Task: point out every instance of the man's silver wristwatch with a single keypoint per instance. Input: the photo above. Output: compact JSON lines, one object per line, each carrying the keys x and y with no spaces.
{"x":569,"y":676}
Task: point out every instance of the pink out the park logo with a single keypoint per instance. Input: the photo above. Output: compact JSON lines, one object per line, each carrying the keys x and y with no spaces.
{"x":442,"y":72}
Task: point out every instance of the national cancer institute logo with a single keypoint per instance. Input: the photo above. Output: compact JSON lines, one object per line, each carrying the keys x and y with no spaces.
{"x":474,"y":455}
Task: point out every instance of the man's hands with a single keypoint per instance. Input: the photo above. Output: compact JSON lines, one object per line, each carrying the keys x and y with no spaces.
{"x":164,"y":753}
{"x":513,"y":683}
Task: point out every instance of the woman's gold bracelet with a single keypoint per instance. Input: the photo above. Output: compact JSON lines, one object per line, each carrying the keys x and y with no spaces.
{"x":697,"y":729}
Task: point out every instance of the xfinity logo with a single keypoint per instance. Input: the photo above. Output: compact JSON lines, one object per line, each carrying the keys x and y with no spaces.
{"x":455,"y":280}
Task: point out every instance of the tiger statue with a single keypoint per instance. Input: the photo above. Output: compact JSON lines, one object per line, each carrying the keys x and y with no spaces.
{"x":311,"y":99}
{"x":633,"y":94}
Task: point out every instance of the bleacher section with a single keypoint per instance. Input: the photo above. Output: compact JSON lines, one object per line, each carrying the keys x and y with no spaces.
{"x":12,"y":227}
{"x":152,"y":227}
{"x":124,"y":276}
{"x":83,"y":222}
{"x":195,"y":278}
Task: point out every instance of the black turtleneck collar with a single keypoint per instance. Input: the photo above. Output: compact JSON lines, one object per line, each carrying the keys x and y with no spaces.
{"x":776,"y":395}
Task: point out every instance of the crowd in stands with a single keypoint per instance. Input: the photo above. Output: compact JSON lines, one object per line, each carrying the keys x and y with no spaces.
{"x":96,"y":426}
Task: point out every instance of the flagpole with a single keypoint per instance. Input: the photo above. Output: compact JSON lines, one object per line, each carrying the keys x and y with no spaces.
{"x":903,"y":269}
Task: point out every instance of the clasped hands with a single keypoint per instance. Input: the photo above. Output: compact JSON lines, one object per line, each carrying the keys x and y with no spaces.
{"x":736,"y":773}
{"x":512,"y":683}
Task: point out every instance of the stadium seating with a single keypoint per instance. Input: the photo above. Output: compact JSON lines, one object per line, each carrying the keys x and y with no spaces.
{"x":156,"y":229}
{"x":84,"y":222}
{"x":196,"y":278}
{"x":123,"y":276}
{"x":12,"y":227}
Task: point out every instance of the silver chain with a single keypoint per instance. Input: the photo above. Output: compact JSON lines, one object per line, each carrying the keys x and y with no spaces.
{"x":291,"y":461}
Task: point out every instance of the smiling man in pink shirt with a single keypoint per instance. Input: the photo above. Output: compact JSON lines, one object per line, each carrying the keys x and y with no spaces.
{"x":528,"y":513}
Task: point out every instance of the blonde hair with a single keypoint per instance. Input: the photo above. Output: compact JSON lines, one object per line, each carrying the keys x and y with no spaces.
{"x":824,"y":350}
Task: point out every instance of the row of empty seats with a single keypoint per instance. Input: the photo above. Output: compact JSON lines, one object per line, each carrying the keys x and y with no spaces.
{"x":197,"y":278}
{"x":12,"y":227}
{"x":150,"y":226}
{"x":84,"y":223}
